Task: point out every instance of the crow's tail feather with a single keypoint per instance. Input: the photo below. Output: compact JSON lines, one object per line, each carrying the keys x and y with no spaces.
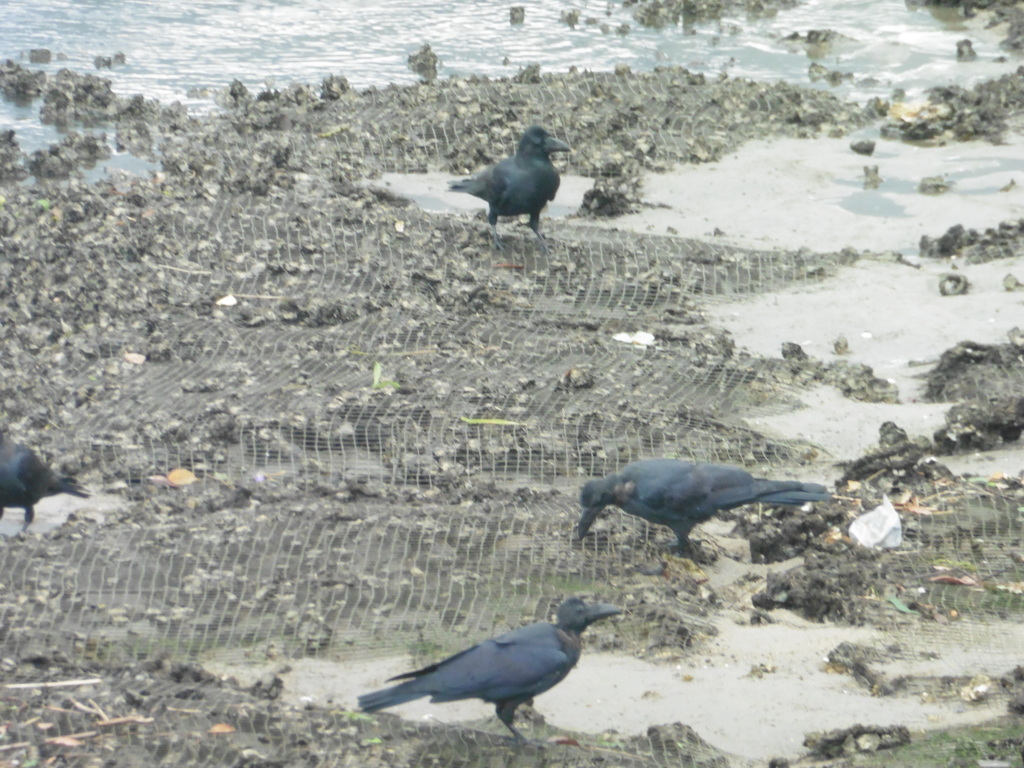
{"x":789,"y":492}
{"x":391,"y":697}
{"x":67,"y":485}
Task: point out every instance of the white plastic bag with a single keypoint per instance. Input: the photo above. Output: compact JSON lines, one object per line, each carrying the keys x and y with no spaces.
{"x":879,"y":528}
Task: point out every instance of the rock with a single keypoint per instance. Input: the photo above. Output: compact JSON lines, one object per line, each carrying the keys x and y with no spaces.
{"x":973,"y":371}
{"x":953,"y":284}
{"x":863,"y":147}
{"x":981,"y":425}
{"x":934,"y":185}
{"x":570,"y":18}
{"x":792,"y":351}
{"x":897,"y":453}
{"x":948,"y":245}
{"x":965,"y":51}
{"x":857,"y":738}
{"x":612,"y":196}
{"x":424,"y":63}
{"x":516,"y":14}
{"x":680,"y":744}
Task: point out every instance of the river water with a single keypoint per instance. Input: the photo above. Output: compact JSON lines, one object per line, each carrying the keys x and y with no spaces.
{"x":183,"y":51}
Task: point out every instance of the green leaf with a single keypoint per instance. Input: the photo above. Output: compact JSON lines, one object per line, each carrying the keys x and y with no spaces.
{"x":499,"y":422}
{"x":378,"y":381}
{"x":357,"y":716}
{"x":44,"y":204}
{"x":900,"y":605}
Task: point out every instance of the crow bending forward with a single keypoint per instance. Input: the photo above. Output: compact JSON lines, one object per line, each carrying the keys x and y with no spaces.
{"x":25,"y":479}
{"x":680,"y":494}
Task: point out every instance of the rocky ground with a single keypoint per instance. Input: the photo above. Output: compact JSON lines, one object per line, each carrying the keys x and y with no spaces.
{"x":388,"y":421}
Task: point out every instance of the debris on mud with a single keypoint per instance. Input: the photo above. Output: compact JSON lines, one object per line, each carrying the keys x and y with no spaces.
{"x":976,"y":372}
{"x":856,"y":381}
{"x":11,"y":159}
{"x":613,"y":196}
{"x":897,"y":455}
{"x":829,"y":586}
{"x":74,"y":151}
{"x":981,"y":425}
{"x":857,"y":660}
{"x":782,"y":533}
{"x":679,"y":743}
{"x":846,"y":742}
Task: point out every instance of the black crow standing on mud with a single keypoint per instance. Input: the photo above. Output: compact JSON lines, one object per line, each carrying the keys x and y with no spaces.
{"x":25,"y":479}
{"x":505,"y":671}
{"x":520,"y":184}
{"x":680,"y":494}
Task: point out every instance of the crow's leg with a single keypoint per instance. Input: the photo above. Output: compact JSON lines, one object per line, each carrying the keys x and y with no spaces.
{"x":535,"y":226}
{"x":506,"y":711}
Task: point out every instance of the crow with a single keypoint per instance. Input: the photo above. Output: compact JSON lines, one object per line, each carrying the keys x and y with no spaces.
{"x":505,"y":671}
{"x":680,"y":494}
{"x":520,"y":184}
{"x":25,"y":479}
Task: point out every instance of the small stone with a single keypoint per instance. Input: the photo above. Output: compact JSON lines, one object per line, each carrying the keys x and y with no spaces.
{"x":424,"y":63}
{"x":933,"y":185}
{"x":791,"y":351}
{"x":868,"y":742}
{"x":863,"y":147}
{"x":952,"y":284}
{"x":965,"y":51}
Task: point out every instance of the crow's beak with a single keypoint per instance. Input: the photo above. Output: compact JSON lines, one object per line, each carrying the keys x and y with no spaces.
{"x":599,"y":611}
{"x":587,"y":518}
{"x":551,"y":144}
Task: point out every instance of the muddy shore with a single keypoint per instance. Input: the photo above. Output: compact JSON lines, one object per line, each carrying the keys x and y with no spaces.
{"x":342,"y":515}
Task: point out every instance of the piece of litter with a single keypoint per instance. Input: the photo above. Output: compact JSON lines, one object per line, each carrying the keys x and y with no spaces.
{"x":227,"y":301}
{"x":880,"y":528}
{"x":640,"y":338}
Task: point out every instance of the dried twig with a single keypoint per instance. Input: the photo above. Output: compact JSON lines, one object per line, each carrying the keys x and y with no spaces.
{"x":127,"y":720}
{"x":98,"y":710}
{"x":55,"y":684}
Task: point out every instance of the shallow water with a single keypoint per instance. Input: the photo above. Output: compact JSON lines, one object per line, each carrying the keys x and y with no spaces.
{"x":181,"y":52}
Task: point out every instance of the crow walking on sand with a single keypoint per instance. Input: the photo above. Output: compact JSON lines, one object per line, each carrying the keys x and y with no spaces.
{"x":25,"y":479}
{"x":680,"y":494}
{"x":520,"y":184}
{"x":505,"y":671}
